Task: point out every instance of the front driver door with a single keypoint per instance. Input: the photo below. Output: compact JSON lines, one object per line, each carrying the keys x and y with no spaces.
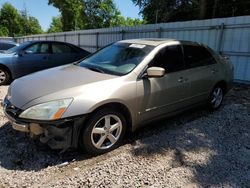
{"x":158,"y":96}
{"x":33,"y":58}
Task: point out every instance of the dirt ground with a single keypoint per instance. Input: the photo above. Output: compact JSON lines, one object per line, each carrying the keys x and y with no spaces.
{"x":195,"y":149}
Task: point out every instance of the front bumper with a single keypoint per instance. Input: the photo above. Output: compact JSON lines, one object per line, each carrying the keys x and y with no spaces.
{"x":57,"y":134}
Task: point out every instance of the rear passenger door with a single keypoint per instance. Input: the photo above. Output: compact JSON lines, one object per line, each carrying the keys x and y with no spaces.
{"x":201,"y":71}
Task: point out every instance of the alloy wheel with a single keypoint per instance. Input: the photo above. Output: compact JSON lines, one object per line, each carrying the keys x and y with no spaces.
{"x":106,"y":131}
{"x":217,"y":97}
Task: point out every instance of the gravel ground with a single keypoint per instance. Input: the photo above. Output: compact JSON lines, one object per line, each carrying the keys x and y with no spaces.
{"x":195,"y":149}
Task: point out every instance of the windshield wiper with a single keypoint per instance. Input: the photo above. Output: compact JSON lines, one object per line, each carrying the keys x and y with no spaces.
{"x":95,"y":69}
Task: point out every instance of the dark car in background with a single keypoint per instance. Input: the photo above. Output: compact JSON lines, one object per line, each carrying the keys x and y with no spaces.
{"x":34,"y":56}
{"x":6,"y":44}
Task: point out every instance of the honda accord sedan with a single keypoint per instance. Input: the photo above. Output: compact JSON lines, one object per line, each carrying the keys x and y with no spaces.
{"x":33,"y":56}
{"x":93,"y":103}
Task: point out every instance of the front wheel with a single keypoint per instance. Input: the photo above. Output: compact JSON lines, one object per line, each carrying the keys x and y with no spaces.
{"x":216,"y":98}
{"x":103,"y":132}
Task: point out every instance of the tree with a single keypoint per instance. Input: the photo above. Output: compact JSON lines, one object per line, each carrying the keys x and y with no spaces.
{"x":29,"y":24}
{"x":56,"y":25}
{"x":88,"y":14}
{"x":180,"y":10}
{"x":71,"y":11}
{"x":4,"y":32}
{"x":9,"y":19}
{"x":15,"y":23}
{"x":100,"y":14}
{"x":129,"y":21}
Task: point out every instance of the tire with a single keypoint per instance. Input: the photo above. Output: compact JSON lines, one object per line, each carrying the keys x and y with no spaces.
{"x":216,"y":98}
{"x":4,"y":76}
{"x":103,"y":132}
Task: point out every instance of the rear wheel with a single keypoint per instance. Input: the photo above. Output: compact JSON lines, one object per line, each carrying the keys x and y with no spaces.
{"x":4,"y":76}
{"x":103,"y":132}
{"x":216,"y":97}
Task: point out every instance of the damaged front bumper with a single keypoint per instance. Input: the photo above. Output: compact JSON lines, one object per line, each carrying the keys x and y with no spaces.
{"x":57,"y":134}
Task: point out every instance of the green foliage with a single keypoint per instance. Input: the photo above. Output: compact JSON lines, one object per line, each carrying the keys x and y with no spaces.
{"x":121,"y":21}
{"x":100,"y":14}
{"x":29,"y":24}
{"x":56,"y":25}
{"x":9,"y":19}
{"x":14,"y":23}
{"x":88,"y":14}
{"x":171,"y":10}
{"x":71,"y":11}
{"x":4,"y":32}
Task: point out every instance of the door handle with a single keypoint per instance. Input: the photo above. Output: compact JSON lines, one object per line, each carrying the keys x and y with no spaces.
{"x":213,"y":71}
{"x":180,"y":79}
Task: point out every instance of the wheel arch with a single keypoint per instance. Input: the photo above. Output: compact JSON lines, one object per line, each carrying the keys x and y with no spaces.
{"x":121,"y":108}
{"x":223,"y":84}
{"x":7,"y":69}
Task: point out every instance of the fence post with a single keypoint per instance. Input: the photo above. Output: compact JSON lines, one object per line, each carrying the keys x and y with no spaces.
{"x":221,"y":34}
{"x":97,"y":41}
{"x":159,"y":32}
{"x":123,"y":33}
{"x":46,"y":37}
{"x":54,"y":37}
{"x":78,"y":39}
{"x":64,"y":37}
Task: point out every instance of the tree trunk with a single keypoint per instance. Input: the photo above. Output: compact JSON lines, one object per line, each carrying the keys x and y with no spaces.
{"x":215,"y":8}
{"x":203,"y":9}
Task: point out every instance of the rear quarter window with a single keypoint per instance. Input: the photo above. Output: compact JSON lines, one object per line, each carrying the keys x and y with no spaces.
{"x":58,"y":48}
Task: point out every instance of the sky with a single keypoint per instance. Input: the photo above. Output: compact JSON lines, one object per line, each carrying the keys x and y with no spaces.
{"x":44,"y":12}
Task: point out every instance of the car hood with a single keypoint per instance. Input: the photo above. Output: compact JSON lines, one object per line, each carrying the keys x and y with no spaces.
{"x":4,"y":55}
{"x":36,"y":85}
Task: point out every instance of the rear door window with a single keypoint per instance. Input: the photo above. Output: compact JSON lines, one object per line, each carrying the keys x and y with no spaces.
{"x":170,"y":58}
{"x":58,"y":48}
{"x":196,"y":56}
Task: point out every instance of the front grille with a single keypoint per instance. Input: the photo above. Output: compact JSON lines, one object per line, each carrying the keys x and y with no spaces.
{"x":10,"y":109}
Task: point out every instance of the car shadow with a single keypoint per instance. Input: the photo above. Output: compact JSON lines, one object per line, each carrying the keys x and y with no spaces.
{"x":223,"y":137}
{"x":195,"y":132}
{"x":19,"y":152}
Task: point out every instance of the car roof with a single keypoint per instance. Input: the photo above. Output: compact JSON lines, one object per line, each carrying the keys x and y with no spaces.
{"x":8,"y":42}
{"x":36,"y":41}
{"x":156,"y":41}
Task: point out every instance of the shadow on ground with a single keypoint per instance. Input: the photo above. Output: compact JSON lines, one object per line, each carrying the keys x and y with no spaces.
{"x":223,"y":137}
{"x":19,"y":152}
{"x":215,"y":146}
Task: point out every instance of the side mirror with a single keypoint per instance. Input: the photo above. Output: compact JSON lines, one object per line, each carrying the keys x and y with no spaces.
{"x":21,"y":53}
{"x":155,"y":72}
{"x":225,"y":57}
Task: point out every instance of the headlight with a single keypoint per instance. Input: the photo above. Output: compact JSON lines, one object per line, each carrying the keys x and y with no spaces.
{"x":47,"y":111}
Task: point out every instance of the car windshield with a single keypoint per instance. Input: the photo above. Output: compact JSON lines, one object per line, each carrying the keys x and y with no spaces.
{"x":118,"y":59}
{"x":16,"y":48}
